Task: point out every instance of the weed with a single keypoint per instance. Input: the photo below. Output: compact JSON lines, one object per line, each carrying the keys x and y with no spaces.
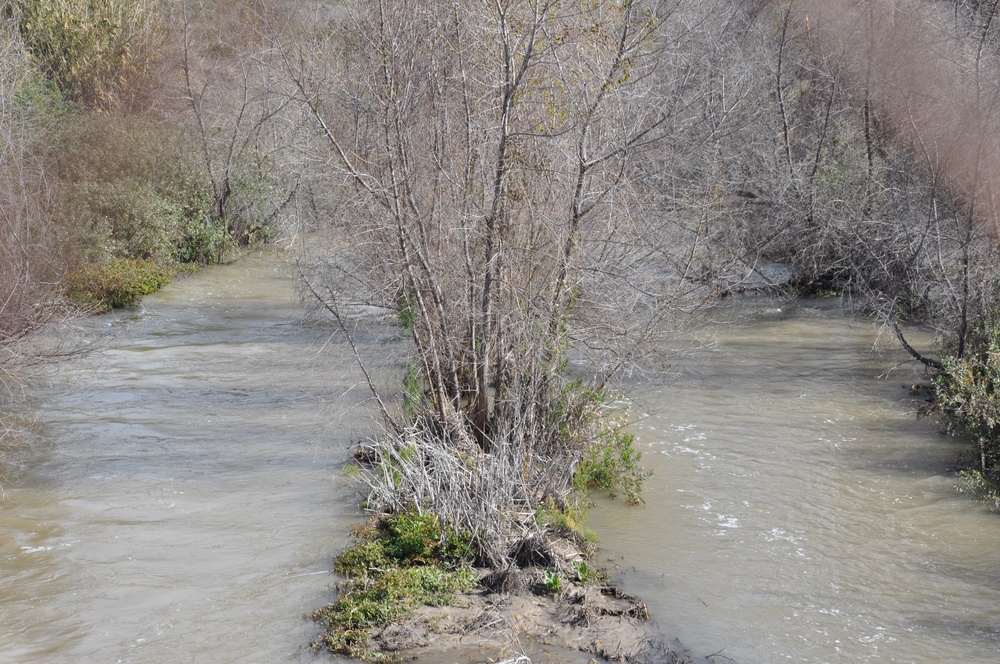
{"x":553,"y":583}
{"x":612,"y":464}
{"x":567,"y":520}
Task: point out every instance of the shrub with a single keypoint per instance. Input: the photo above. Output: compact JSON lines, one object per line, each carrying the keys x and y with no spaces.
{"x":119,"y":282}
{"x":135,"y":188}
{"x":99,"y":53}
{"x":128,"y":218}
{"x":974,"y":483}
{"x":968,"y":390}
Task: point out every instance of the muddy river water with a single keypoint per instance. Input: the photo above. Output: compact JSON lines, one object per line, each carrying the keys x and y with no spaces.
{"x":182,"y":503}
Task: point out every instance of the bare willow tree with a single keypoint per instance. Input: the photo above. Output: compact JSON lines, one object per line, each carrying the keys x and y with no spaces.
{"x":222,"y":91}
{"x":491,"y":154}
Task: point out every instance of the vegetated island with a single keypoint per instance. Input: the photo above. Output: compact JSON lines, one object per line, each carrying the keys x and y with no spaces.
{"x":413,"y":591}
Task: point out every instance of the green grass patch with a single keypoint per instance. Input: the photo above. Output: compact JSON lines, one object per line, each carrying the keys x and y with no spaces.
{"x":398,"y":564}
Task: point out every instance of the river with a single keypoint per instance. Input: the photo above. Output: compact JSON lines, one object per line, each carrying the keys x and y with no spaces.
{"x":182,"y":505}
{"x":183,"y":502}
{"x":799,"y":511}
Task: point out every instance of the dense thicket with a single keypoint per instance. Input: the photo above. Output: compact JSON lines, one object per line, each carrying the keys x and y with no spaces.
{"x":530,"y":180}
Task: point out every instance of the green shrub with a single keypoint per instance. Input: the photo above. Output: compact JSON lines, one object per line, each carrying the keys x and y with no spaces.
{"x":135,"y":188}
{"x":119,"y":282}
{"x":40,"y":103}
{"x":128,"y":218}
{"x":974,"y":483}
{"x":201,"y":240}
{"x":612,"y":464}
{"x":968,"y":390}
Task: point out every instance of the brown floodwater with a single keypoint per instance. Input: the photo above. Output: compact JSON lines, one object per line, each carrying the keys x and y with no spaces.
{"x":183,"y":502}
{"x":799,"y":511}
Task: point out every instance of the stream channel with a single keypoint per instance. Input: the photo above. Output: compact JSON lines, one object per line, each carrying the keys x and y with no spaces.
{"x":182,"y":503}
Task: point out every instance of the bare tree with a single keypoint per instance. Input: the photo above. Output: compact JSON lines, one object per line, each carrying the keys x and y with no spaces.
{"x":493,"y":155}
{"x":31,"y":262}
{"x":224,"y":92}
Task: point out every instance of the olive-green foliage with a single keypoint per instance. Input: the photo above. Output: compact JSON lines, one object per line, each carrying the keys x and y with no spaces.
{"x":974,"y":483}
{"x":419,"y":538}
{"x":118,"y":282}
{"x":40,"y":104}
{"x":99,"y":52}
{"x":404,"y":561}
{"x":968,"y":390}
{"x":608,"y":458}
{"x":613,"y":464}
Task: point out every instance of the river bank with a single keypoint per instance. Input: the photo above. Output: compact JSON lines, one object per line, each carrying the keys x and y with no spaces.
{"x":410,"y":593}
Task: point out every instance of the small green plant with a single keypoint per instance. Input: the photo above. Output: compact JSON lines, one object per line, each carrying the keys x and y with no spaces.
{"x":569,"y":520}
{"x":553,"y":583}
{"x":612,"y":464}
{"x":119,"y":282}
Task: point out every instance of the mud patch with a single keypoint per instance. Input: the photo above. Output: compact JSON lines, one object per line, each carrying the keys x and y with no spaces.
{"x":583,"y":623}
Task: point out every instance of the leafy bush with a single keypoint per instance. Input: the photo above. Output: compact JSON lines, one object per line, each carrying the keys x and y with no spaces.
{"x":612,"y":464}
{"x":119,"y":282}
{"x":129,"y":217}
{"x":968,"y":390}
{"x":135,"y":188}
{"x":974,"y":483}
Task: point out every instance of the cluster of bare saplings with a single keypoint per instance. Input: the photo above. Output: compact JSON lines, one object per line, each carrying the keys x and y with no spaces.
{"x":534,"y":185}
